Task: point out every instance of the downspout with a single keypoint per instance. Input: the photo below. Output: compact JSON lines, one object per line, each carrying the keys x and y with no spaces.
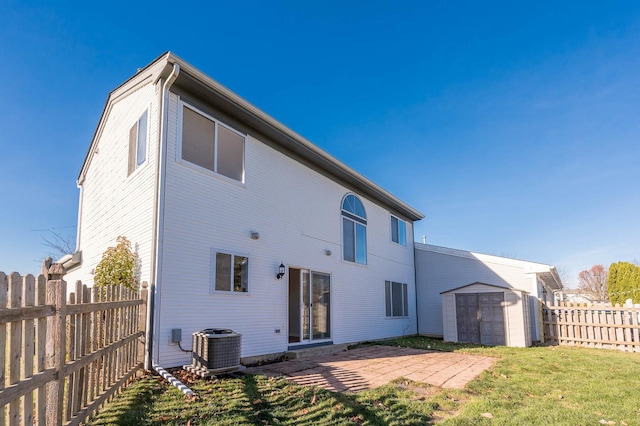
{"x":80,"y":202}
{"x":175,"y":382}
{"x":415,"y":277}
{"x":158,"y":215}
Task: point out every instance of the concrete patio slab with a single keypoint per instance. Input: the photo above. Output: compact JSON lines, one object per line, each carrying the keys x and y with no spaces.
{"x":369,"y":367}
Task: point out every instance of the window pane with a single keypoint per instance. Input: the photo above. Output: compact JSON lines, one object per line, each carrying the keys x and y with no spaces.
{"x":133,"y":134}
{"x":240,"y":274}
{"x":361,"y":244}
{"x":405,"y":312}
{"x":402,"y":232}
{"x":394,"y":229}
{"x":352,"y":204}
{"x":230,"y":154}
{"x":142,"y":139}
{"x":387,"y":297}
{"x":396,"y":296}
{"x":321,"y":305}
{"x":197,"y":139}
{"x":359,"y":208}
{"x":223,"y":272}
{"x":348,"y":237}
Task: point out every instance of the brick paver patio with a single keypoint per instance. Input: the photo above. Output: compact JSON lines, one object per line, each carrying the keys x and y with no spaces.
{"x":370,"y":367}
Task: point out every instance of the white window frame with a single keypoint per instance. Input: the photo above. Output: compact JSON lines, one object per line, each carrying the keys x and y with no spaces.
{"x":233,"y":255}
{"x":388,"y":299}
{"x":217,"y":123}
{"x":137,"y":166}
{"x":398,"y":230}
{"x":355,"y":220}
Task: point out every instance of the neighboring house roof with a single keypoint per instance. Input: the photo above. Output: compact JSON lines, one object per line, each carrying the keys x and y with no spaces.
{"x":547,"y":273}
{"x":484,"y":284}
{"x":278,"y":135}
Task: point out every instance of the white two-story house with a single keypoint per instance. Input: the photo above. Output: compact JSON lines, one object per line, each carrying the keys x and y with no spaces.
{"x":239,"y":222}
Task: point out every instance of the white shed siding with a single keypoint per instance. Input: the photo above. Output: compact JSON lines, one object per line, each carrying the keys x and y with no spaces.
{"x":440,"y":269}
{"x":297,"y":213}
{"x":438,"y":272}
{"x":113,"y":203}
{"x":516,"y":314}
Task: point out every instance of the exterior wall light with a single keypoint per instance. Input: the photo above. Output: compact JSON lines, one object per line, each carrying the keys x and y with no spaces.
{"x":281,"y":270}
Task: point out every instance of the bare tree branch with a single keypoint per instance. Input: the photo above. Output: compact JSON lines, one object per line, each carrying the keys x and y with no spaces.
{"x":594,"y":282}
{"x":59,"y":245}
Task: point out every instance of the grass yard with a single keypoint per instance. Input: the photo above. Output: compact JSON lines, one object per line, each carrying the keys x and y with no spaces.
{"x":533,"y":386}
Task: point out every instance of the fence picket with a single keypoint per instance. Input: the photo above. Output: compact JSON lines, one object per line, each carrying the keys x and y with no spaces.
{"x":597,"y":326}
{"x":15,"y":344}
{"x":29,"y":297}
{"x":64,"y":362}
{"x":4,"y":286}
{"x":41,"y":327}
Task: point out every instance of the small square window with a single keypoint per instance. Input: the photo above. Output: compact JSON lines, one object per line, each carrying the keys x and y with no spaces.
{"x":231,"y":273}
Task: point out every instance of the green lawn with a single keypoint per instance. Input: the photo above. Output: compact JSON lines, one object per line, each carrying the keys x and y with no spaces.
{"x":533,"y":386}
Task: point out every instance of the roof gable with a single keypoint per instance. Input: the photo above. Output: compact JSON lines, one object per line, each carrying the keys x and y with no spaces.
{"x":279,"y":136}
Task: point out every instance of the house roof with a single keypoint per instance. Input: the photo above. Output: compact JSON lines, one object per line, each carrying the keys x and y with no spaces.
{"x":483,"y":284}
{"x":278,"y":135}
{"x":547,"y":273}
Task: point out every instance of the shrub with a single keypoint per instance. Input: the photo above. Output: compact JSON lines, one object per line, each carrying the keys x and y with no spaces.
{"x":118,"y":266}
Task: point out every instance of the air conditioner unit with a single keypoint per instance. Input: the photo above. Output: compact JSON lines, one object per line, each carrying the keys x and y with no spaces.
{"x":216,"y":349}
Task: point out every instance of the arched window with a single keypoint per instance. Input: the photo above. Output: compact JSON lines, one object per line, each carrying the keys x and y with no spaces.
{"x":354,"y":230}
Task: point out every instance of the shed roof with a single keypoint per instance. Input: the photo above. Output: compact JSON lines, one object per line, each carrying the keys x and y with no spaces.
{"x":484,"y":284}
{"x":548,"y":273}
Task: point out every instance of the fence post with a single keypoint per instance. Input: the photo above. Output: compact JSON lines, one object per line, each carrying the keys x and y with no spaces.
{"x":56,"y":342}
{"x":142,"y":322}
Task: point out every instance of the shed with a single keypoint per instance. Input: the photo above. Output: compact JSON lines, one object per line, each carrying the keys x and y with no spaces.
{"x":486,"y":314}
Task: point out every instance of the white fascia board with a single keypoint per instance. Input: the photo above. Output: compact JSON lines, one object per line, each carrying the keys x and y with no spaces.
{"x":528,"y":266}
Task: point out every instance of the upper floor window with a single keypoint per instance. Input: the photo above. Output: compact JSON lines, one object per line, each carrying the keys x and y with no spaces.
{"x":354,"y":230}
{"x":212,"y":145}
{"x":398,"y":231}
{"x":138,"y":143}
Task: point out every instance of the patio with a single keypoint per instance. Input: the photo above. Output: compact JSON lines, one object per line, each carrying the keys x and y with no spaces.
{"x":369,"y":367}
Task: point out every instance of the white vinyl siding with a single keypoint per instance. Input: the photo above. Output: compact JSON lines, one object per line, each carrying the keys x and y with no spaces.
{"x":211,"y":145}
{"x":112,"y":204}
{"x":296,"y":212}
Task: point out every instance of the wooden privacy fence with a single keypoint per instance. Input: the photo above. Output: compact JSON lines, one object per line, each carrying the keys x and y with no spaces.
{"x":61,"y":360}
{"x":594,"y":326}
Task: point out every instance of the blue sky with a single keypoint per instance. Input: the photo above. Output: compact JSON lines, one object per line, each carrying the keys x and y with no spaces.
{"x":514,"y":127}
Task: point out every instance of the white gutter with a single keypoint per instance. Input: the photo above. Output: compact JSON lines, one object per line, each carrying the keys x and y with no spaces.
{"x":153,"y":313}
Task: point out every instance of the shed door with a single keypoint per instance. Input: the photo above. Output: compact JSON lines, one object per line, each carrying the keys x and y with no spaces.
{"x":491,"y":318}
{"x":467,"y":318}
{"x":480,"y":318}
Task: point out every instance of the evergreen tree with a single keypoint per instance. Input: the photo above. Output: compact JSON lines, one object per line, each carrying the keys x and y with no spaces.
{"x":624,"y":282}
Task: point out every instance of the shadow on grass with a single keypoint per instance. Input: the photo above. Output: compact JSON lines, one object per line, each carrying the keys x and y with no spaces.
{"x":132,"y":407}
{"x":255,"y":397}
